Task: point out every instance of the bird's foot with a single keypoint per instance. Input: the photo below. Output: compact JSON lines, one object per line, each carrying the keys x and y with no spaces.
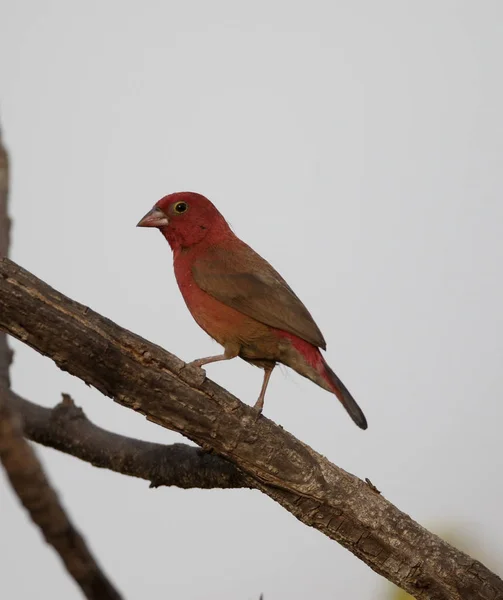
{"x":192,"y":374}
{"x":196,"y":364}
{"x":259,"y":407}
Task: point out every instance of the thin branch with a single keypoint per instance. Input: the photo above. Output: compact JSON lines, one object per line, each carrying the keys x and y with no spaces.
{"x":142,"y":376}
{"x":65,"y":427}
{"x":35,"y":492}
{"x":21,"y":464}
{"x":5,"y":352}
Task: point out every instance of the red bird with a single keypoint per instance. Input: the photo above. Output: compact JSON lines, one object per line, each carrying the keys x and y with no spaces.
{"x":239,"y":299}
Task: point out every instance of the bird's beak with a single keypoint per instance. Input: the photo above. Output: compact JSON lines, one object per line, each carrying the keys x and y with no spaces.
{"x":154,"y":218}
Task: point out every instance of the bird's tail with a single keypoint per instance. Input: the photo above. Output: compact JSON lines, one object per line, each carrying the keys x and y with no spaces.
{"x":343,"y":394}
{"x":307,"y":360}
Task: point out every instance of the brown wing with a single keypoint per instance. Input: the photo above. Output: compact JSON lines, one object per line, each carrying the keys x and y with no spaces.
{"x":242,"y":279}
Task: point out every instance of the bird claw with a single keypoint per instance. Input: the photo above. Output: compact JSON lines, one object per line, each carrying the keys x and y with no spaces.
{"x":258,"y":410}
{"x":195,"y":364}
{"x":192,"y":374}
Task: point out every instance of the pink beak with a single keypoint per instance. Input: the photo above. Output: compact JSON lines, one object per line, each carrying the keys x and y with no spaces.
{"x":154,"y":218}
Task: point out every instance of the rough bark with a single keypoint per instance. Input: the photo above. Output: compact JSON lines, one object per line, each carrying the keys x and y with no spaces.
{"x":23,"y":468}
{"x":5,"y":353}
{"x":66,"y":428}
{"x":35,"y":492}
{"x":149,"y":380}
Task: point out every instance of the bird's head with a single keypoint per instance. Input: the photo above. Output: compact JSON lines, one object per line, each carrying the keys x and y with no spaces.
{"x":185,"y":219}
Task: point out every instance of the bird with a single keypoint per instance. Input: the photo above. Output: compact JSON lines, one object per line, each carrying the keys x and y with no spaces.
{"x":239,"y":299}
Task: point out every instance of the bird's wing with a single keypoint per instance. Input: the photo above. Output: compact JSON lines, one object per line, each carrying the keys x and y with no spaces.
{"x":243,"y":280}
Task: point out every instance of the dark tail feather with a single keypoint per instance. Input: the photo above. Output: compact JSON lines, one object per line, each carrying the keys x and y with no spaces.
{"x":346,"y":399}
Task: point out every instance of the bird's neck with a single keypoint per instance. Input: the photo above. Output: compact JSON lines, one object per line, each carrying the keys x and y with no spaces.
{"x":198,"y":237}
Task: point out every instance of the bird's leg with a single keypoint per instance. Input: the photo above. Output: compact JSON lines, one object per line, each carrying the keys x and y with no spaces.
{"x":231,"y":351}
{"x":259,"y":405}
{"x":209,"y":359}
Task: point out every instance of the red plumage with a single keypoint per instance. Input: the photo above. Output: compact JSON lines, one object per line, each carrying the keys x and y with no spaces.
{"x":239,"y":299}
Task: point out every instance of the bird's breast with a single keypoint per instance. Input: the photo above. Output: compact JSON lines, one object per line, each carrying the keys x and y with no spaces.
{"x":223,"y":323}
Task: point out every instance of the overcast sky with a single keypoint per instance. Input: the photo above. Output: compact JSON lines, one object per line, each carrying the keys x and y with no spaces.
{"x":358,"y":146}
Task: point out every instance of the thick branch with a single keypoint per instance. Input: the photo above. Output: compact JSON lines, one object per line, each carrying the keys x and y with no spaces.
{"x":67,"y":428}
{"x":5,"y":353}
{"x":35,"y":492}
{"x":142,"y":376}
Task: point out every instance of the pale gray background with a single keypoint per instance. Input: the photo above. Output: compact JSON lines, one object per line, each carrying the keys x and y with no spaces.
{"x":359,"y":147}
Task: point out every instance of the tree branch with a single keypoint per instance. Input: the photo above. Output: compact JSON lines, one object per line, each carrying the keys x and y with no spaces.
{"x":66,"y":428}
{"x":35,"y":492}
{"x":145,"y":378}
{"x":5,"y":352}
{"x":21,"y":464}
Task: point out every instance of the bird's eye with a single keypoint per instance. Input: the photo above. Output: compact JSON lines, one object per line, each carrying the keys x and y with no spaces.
{"x":180,"y":207}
